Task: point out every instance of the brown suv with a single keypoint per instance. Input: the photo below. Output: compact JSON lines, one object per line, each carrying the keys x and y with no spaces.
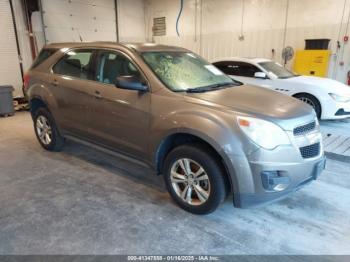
{"x":168,"y":108}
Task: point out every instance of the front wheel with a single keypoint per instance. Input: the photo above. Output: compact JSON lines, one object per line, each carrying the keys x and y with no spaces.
{"x":312,"y":101}
{"x":194,"y":179}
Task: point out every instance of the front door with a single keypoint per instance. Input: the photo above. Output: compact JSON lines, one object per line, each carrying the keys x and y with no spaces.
{"x":119,"y":117}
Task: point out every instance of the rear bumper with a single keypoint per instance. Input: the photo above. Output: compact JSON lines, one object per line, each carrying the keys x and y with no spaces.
{"x":301,"y":174}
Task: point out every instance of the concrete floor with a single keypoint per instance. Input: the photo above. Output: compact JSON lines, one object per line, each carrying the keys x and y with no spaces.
{"x":336,"y":127}
{"x":81,"y":201}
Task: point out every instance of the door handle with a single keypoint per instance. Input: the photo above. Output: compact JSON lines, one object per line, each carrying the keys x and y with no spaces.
{"x":98,"y":94}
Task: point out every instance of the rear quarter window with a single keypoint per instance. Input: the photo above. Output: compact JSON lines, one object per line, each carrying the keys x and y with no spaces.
{"x":43,"y":55}
{"x":76,"y":63}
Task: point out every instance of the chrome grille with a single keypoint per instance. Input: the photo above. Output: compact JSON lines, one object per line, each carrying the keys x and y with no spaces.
{"x":300,"y":130}
{"x":310,"y":151}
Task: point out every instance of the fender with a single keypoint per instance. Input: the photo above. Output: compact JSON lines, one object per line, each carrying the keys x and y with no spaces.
{"x":204,"y":126}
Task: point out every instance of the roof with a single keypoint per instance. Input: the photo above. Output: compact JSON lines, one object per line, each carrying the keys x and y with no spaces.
{"x":139,"y":47}
{"x":254,"y":60}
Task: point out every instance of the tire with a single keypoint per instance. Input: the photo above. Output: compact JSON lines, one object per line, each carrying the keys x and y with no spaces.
{"x":312,"y":101}
{"x":208,"y":188}
{"x":45,"y":124}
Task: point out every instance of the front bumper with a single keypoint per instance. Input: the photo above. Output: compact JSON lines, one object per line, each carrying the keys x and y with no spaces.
{"x":342,"y":112}
{"x":263,"y":176}
{"x":300,"y":175}
{"x":335,"y":110}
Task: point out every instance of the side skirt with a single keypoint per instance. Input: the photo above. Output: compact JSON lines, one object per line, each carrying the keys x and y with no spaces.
{"x":108,"y":151}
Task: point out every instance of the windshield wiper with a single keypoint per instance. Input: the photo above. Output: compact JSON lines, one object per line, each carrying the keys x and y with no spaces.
{"x":209,"y":88}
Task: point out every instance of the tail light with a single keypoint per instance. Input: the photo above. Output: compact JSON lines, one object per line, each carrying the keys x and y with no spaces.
{"x":26,"y":79}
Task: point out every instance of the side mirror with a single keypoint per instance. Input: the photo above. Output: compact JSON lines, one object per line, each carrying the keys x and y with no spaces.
{"x":260,"y":75}
{"x":130,"y":83}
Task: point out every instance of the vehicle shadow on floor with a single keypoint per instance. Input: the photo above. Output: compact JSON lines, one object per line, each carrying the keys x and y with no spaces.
{"x":117,"y":166}
{"x":135,"y":173}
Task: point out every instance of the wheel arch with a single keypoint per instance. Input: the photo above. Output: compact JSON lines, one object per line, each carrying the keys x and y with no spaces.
{"x":35,"y":103}
{"x":184,"y":137}
{"x":312,"y":95}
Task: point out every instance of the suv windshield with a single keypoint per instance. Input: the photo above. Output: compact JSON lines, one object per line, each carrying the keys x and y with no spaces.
{"x":277,"y":70}
{"x":181,"y":71}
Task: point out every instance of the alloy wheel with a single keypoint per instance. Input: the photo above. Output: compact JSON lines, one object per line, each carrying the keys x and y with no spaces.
{"x":190,"y":181}
{"x":308,"y":101}
{"x":43,"y":130}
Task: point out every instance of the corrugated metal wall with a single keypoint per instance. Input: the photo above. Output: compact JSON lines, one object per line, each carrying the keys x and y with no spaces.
{"x":93,"y":20}
{"x":73,"y":20}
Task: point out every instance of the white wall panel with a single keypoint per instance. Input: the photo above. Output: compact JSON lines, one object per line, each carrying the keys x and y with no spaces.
{"x":131,"y":19}
{"x":9,"y":62}
{"x":263,"y":27}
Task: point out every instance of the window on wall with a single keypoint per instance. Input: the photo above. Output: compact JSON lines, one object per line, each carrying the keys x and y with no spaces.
{"x":237,"y":68}
{"x":112,"y":64}
{"x":75,"y":63}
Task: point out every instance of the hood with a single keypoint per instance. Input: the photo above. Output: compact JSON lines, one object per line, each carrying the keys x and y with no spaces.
{"x":329,"y":85}
{"x":259,"y":102}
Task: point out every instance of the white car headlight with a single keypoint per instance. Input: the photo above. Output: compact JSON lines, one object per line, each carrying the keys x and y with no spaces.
{"x":340,"y":98}
{"x":263,"y":133}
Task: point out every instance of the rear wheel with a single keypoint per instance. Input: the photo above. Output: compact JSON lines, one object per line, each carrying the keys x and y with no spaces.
{"x":312,"y":101}
{"x":46,"y":131}
{"x":194,"y":179}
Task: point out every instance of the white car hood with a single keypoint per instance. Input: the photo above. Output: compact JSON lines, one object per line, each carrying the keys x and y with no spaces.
{"x":328,"y":85}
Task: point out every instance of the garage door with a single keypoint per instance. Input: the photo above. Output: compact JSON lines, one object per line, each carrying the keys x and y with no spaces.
{"x":10,"y":72}
{"x":74,"y":20}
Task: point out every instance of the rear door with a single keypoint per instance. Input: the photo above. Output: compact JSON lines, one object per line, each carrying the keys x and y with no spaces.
{"x":71,"y":85}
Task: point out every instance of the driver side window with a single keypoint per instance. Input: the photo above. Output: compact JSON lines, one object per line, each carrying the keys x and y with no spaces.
{"x":237,"y":68}
{"x":112,"y":65}
{"x":247,"y":70}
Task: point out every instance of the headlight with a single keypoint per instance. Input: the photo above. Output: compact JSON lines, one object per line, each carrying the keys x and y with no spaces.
{"x":263,"y":133}
{"x":341,"y":99}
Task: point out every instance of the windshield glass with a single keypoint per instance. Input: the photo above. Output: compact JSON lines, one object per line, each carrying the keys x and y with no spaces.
{"x":277,"y":70}
{"x":181,"y":71}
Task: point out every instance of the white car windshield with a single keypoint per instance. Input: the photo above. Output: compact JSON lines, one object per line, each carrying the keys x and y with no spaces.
{"x":277,"y":70}
{"x":181,"y":71}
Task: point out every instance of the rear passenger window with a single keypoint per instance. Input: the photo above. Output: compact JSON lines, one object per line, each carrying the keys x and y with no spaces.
{"x":43,"y":55}
{"x":75,"y":63}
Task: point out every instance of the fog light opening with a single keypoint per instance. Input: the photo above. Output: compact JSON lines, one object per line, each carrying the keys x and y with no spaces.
{"x":274,"y":181}
{"x":280,"y":187}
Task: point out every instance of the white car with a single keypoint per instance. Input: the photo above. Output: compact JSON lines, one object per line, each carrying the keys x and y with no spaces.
{"x":329,"y":98}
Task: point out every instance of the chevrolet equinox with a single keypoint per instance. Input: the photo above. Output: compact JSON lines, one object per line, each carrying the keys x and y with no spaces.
{"x":167,"y":108}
